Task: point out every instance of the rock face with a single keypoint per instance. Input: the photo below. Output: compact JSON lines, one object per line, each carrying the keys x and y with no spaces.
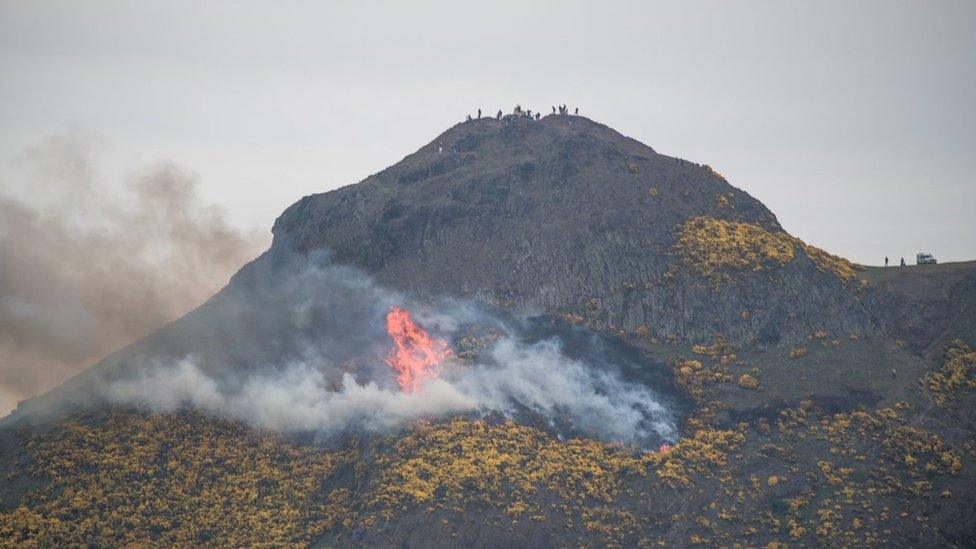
{"x":569,"y":216}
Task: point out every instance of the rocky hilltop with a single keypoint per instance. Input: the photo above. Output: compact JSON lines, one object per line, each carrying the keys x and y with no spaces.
{"x":569,"y":216}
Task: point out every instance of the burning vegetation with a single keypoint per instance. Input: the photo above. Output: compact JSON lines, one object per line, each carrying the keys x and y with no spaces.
{"x":415,"y":355}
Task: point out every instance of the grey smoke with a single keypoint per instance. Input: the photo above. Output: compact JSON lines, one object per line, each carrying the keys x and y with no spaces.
{"x":87,"y":265}
{"x":542,"y":378}
{"x":297,"y":344}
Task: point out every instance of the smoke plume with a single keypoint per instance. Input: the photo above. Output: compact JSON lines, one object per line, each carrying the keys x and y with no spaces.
{"x":293,"y":343}
{"x":298,"y":344}
{"x":87,"y":267}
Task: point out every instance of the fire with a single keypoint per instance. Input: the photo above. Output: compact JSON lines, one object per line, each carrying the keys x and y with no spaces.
{"x":415,"y":355}
{"x":661,"y":450}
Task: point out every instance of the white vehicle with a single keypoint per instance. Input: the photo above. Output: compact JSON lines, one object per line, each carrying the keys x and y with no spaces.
{"x":925,"y":259}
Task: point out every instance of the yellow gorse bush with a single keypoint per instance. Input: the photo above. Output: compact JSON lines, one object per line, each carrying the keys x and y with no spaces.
{"x":958,"y":374}
{"x":177,"y":479}
{"x":716,"y":247}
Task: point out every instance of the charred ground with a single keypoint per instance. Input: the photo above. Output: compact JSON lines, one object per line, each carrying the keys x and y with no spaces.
{"x":827,"y":403}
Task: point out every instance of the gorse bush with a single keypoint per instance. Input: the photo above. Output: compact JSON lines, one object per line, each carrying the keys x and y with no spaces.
{"x":957,"y":375}
{"x":124,"y":478}
{"x":713,"y":247}
{"x":716,"y":248}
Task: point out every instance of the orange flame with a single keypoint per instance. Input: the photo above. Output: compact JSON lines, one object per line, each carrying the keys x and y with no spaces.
{"x":415,"y":355}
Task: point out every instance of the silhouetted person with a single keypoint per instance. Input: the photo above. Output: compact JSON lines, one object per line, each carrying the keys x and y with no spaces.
{"x":538,"y":116}
{"x":903,"y":262}
{"x":469,"y":118}
{"x":479,"y":114}
{"x":554,"y":110}
{"x":576,"y":112}
{"x":886,"y":261}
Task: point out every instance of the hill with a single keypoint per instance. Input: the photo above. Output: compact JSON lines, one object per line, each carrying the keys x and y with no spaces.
{"x":603,"y":346}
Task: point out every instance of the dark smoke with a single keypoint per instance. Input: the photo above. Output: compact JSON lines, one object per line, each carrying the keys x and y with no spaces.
{"x":86,"y":267}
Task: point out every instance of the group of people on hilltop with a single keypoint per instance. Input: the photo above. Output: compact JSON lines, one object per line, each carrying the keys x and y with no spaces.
{"x":519,"y":112}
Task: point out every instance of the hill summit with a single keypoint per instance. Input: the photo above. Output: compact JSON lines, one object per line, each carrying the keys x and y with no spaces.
{"x":567,"y":215}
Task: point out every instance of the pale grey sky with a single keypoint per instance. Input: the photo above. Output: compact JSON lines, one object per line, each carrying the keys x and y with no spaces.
{"x":853,"y":121}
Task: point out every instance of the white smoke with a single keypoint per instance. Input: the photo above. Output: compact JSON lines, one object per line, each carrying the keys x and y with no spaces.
{"x":299,"y":397}
{"x":296,"y":399}
{"x":542,"y":378}
{"x":300,"y":347}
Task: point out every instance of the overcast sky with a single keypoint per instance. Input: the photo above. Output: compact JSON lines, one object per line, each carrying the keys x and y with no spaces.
{"x":855,"y":122}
